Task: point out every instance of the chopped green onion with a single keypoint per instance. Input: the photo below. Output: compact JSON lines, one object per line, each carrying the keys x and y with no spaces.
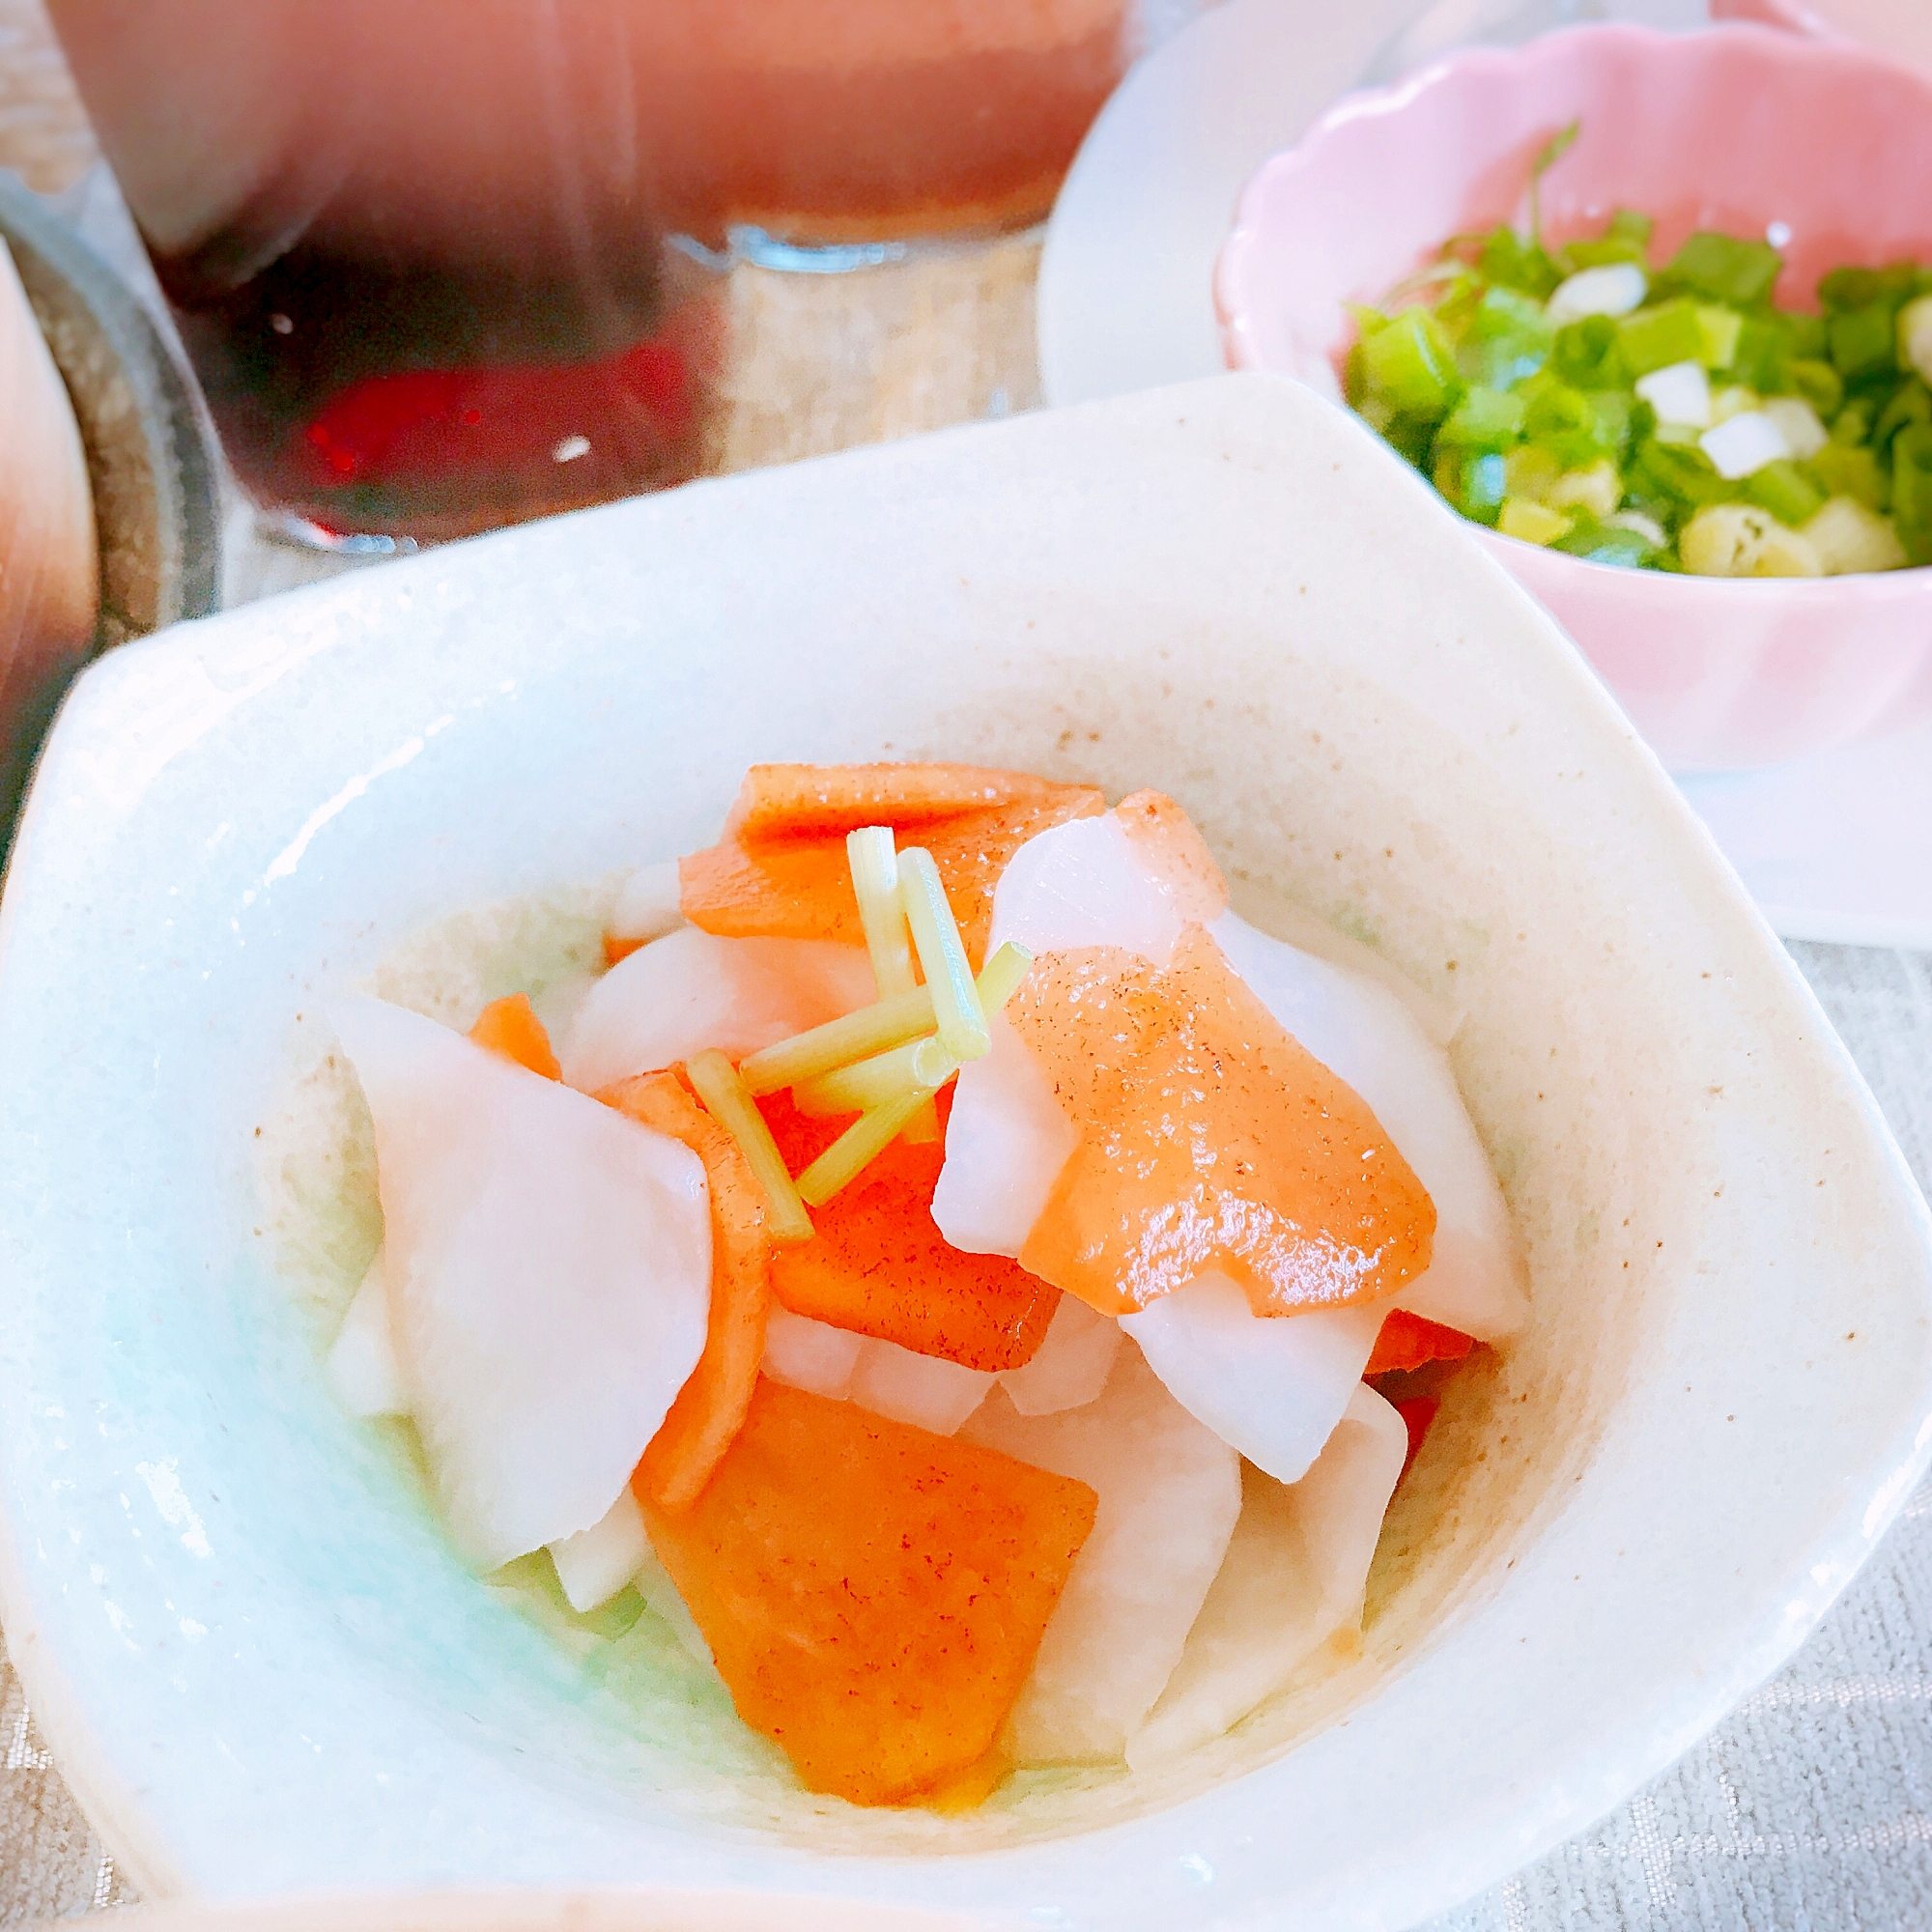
{"x":1598,"y":542}
{"x":858,"y":1147}
{"x":1485,"y":419}
{"x":1914,"y":336}
{"x":1865,"y":342}
{"x":730,"y":1102}
{"x":1724,"y":269}
{"x":1911,"y":404}
{"x":1605,"y":252}
{"x":1553,"y":149}
{"x":1911,"y":490}
{"x":1532,"y":523}
{"x":1845,"y":290}
{"x":1853,"y":424}
{"x":1842,"y":471}
{"x":1720,"y":329}
{"x":1819,"y":383}
{"x":1657,"y":338}
{"x":1508,"y":262}
{"x":1683,"y":475}
{"x":1539,"y":405}
{"x":840,"y":1042}
{"x":1586,"y":355}
{"x":1786,"y":491}
{"x":1475,"y":484}
{"x":1763,"y":356}
{"x":1410,"y":366}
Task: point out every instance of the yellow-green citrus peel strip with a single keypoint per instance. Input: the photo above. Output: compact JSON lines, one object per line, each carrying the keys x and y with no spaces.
{"x":925,"y":1062}
{"x":859,"y":1146}
{"x":941,"y":957}
{"x":824,"y":1049}
{"x":730,"y":1104}
{"x":875,"y":883}
{"x":874,"y":857}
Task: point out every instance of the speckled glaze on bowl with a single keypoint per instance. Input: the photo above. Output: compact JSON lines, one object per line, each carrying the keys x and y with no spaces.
{"x":1734,"y":129}
{"x":254,"y":1654}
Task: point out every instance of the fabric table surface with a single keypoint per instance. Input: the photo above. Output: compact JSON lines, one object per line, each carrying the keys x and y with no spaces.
{"x":1809,"y":1808}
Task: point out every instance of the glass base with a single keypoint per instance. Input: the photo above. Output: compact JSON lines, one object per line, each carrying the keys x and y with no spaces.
{"x":285,"y":527}
{"x":763,"y":250}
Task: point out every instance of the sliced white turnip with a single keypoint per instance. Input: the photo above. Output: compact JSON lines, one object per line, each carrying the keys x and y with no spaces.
{"x":363,"y":1370}
{"x":647,"y":903}
{"x":555,"y":1006}
{"x":1006,"y":1142}
{"x":691,"y":990}
{"x":1169,"y":1493}
{"x":1364,"y":1033}
{"x":597,"y":1562}
{"x":811,"y":1355}
{"x":925,"y":1390}
{"x":1086,"y":883}
{"x":1272,"y":1386}
{"x":1071,"y":1367}
{"x":549,"y":1271}
{"x":1292,"y":1580}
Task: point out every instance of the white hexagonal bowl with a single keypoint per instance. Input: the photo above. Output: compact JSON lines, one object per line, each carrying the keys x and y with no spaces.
{"x":251,"y":1649}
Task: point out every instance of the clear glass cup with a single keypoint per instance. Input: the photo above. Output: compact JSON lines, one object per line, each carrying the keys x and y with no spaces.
{"x":442,"y":264}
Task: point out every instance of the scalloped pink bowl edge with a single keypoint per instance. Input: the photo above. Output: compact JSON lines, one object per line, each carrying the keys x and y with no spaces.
{"x":1717,"y":674}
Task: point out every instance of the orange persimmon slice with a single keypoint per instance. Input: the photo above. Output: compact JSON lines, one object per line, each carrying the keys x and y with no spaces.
{"x":780,"y":868}
{"x":1208,"y":1139}
{"x":1406,"y":1340}
{"x":710,"y":1408}
{"x":878,"y":1265}
{"x":510,"y":1025}
{"x":873,"y":1594}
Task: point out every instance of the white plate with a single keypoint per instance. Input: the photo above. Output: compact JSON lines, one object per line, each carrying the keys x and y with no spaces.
{"x":1837,"y":847}
{"x":1126,"y":281}
{"x":251,"y":1648}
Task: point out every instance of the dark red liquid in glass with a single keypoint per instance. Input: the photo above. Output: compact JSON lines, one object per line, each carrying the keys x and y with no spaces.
{"x":431,"y":403}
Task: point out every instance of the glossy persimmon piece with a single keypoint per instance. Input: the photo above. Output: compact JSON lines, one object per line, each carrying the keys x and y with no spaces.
{"x":873,"y":1594}
{"x":780,"y":868}
{"x":1208,"y":1139}
{"x":877,"y":1263}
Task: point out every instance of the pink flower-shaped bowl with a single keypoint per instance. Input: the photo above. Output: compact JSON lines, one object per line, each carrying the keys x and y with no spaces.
{"x":1737,"y":129}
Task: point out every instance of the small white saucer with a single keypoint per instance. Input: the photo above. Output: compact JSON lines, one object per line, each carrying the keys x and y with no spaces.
{"x":1126,"y":281}
{"x":1835,"y":847}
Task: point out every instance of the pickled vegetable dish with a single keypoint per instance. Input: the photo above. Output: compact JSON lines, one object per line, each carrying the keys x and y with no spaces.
{"x":1670,"y":417}
{"x":979,"y":1292}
